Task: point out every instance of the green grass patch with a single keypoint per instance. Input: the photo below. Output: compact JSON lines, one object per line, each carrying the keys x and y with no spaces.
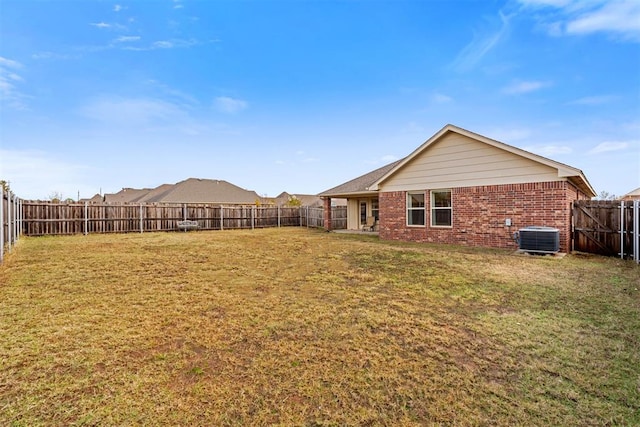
{"x":300,"y":327}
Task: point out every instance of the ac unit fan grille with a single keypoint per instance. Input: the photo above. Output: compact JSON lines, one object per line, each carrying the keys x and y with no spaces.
{"x":539,"y":239}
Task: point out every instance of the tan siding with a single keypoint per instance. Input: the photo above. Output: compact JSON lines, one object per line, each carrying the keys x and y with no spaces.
{"x":353,"y":214}
{"x":459,"y":161}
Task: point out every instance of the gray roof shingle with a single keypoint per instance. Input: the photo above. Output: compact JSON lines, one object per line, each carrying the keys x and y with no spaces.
{"x":192,"y":190}
{"x":360,"y":184}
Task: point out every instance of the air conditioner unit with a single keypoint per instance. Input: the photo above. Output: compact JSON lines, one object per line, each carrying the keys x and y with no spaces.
{"x":539,"y":239}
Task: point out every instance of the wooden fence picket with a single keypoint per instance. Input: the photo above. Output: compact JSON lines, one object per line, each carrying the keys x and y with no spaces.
{"x":49,"y":218}
{"x":606,"y":227}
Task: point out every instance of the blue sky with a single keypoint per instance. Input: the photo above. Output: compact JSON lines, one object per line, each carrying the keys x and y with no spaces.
{"x":301,"y":96}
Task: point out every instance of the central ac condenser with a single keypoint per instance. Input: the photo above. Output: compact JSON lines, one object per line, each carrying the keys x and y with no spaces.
{"x":539,"y":239}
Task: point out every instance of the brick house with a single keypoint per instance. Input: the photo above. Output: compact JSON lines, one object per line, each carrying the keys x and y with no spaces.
{"x":460,"y":187}
{"x":192,"y":190}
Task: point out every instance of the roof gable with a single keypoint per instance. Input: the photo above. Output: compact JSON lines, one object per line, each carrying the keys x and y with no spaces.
{"x":126,"y":195}
{"x":194,"y":190}
{"x":539,"y":165}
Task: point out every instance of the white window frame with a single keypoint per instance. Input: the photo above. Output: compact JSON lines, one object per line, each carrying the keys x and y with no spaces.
{"x":363,"y":218}
{"x":375,"y":209}
{"x":434,"y":208}
{"x":410,"y":208}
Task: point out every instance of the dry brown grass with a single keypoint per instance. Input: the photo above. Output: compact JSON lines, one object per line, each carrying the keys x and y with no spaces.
{"x":300,"y":327}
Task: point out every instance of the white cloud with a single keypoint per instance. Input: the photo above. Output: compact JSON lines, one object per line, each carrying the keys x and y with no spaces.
{"x":149,"y":115}
{"x":100,"y":24}
{"x":555,"y":3}
{"x":36,"y":174}
{"x":549,"y":150}
{"x":608,"y":146}
{"x":15,"y":77}
{"x":388,"y":158}
{"x":117,"y":8}
{"x":163,"y":44}
{"x":178,"y":96}
{"x":133,"y":111}
{"x":53,"y":55}
{"x":10,"y":95}
{"x":509,"y":135}
{"x":384,"y":160}
{"x":482,"y":43}
{"x":619,"y":18}
{"x":126,"y":39}
{"x":439,"y":98}
{"x":413,"y":127}
{"x":518,"y":88}
{"x":9,"y":63}
{"x":226,"y":104}
{"x":301,"y":153}
{"x":593,"y":100}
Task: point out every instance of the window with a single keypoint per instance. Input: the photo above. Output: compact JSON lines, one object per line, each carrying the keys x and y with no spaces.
{"x":415,"y":209}
{"x":375,"y":209}
{"x":363,"y":212}
{"x":441,"y":210}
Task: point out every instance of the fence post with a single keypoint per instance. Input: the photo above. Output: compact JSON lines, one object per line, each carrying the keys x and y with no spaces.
{"x":17,"y":233}
{"x":15,"y":219}
{"x":622,"y":229}
{"x":13,"y":224}
{"x":278,"y":216}
{"x":221,"y":217}
{"x":141,"y":223}
{"x":636,"y":231}
{"x":20,"y":217}
{"x":86,"y":218}
{"x":9,"y":223}
{"x":2,"y":225}
{"x":253,"y":216}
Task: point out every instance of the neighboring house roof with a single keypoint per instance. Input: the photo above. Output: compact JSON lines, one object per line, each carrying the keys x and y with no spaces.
{"x":192,"y":190}
{"x":372,"y":182}
{"x":97,"y":198}
{"x":632,"y":195}
{"x":156,"y":194}
{"x":126,"y":195}
{"x":359,"y":186}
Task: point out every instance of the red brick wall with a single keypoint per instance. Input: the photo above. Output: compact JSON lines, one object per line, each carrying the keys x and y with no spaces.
{"x":479,"y":214}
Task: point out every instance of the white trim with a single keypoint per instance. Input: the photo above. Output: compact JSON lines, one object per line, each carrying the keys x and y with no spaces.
{"x":424,"y":208}
{"x":564,"y":171}
{"x":432,"y":207}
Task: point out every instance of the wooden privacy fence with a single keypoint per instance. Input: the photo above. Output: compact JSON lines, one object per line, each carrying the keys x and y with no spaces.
{"x":10,"y":219}
{"x":609,"y":228}
{"x":314,"y":217}
{"x":47,"y":218}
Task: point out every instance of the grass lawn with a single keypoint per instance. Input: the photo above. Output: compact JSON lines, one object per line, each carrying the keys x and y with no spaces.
{"x":300,"y":327}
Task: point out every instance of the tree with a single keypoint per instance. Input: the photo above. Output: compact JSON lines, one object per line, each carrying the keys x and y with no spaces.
{"x":605,"y":195}
{"x":4,"y":184}
{"x":294,"y":202}
{"x":55,"y":197}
